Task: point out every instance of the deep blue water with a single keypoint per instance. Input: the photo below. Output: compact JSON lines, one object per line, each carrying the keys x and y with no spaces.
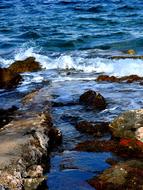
{"x":62,"y":25}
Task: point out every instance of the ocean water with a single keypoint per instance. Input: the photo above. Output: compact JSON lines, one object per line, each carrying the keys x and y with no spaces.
{"x":77,"y":34}
{"x":63,"y":25}
{"x":72,"y":40}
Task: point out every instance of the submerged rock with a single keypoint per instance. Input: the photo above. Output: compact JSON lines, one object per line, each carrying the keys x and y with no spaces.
{"x":128,"y":125}
{"x":96,"y":129}
{"x":8,"y":78}
{"x":27,"y":65}
{"x":126,"y":175}
{"x":93,"y":99}
{"x":128,"y":79}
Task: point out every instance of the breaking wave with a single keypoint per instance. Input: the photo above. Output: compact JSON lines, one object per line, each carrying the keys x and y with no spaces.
{"x":121,"y":67}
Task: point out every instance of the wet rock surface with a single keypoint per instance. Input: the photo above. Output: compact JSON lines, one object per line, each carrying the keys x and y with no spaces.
{"x":25,"y":144}
{"x":93,"y":128}
{"x":93,"y":100}
{"x":9,"y":79}
{"x":128,"y":79}
{"x":128,"y":125}
{"x":27,"y":65}
{"x":126,"y":175}
{"x":126,"y":143}
{"x":125,"y":147}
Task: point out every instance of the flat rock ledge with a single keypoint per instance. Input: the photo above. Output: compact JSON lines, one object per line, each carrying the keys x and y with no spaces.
{"x":25,"y":145}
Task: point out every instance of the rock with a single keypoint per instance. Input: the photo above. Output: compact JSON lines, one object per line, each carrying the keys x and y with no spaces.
{"x":35,"y":171}
{"x":27,"y":65}
{"x":25,"y":144}
{"x":7,"y":115}
{"x":97,"y":146}
{"x":9,"y":79}
{"x":127,"y":57}
{"x":55,"y":137}
{"x":128,"y":148}
{"x":128,"y":79}
{"x":130,"y":52}
{"x":96,"y":129}
{"x":93,"y":99}
{"x":107,"y":78}
{"x":128,"y":125}
{"x":126,"y":175}
{"x":32,"y":183}
{"x":111,"y":161}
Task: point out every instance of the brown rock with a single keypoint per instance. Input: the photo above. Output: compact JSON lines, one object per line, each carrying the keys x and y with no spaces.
{"x":9,"y":79}
{"x":108,"y":78}
{"x":93,"y":99}
{"x":131,"y":78}
{"x":27,"y":65}
{"x":128,"y":79}
{"x":95,"y":129}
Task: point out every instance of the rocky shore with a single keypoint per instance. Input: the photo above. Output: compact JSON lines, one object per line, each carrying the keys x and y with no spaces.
{"x":28,"y":135}
{"x":25,"y":144}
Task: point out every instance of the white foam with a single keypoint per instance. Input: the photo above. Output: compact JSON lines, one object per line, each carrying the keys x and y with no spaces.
{"x":121,"y":67}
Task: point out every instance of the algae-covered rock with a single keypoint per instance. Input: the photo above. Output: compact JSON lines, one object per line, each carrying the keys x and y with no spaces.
{"x":127,"y":175}
{"x":128,"y":125}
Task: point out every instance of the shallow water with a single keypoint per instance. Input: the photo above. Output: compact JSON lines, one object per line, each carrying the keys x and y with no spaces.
{"x":73,"y":40}
{"x":71,"y":169}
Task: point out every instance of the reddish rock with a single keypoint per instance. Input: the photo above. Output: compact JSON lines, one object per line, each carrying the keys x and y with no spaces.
{"x":9,"y":79}
{"x":27,"y":65}
{"x":93,"y":99}
{"x":124,"y":148}
{"x":95,"y":129}
{"x":108,"y":78}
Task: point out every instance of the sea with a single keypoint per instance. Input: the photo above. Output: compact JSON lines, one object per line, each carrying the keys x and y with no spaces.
{"x":73,"y":40}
